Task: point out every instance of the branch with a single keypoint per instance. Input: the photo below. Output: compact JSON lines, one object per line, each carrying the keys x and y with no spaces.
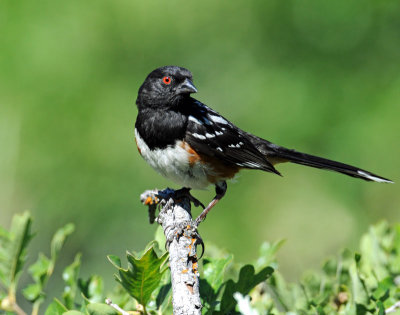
{"x":116,"y":307}
{"x":393,"y":308}
{"x":10,"y":304}
{"x":182,"y":237}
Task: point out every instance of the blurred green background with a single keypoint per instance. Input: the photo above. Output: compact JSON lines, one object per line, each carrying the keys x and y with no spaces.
{"x":319,"y":76}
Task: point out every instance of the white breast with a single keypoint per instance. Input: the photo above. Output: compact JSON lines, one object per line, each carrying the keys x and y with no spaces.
{"x":173,"y":163}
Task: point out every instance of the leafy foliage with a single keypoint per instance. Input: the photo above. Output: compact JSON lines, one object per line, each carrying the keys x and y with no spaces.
{"x":212,"y":283}
{"x":92,"y":288}
{"x":143,"y":275}
{"x":56,"y":308}
{"x":70,"y":276}
{"x":101,"y":309}
{"x":247,"y":281}
{"x":367,"y":282}
{"x":43,"y":268}
{"x":13,"y":249}
{"x":351,"y":283}
{"x":13,"y":245}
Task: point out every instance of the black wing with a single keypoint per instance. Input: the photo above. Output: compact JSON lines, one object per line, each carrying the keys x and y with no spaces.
{"x":210,"y":134}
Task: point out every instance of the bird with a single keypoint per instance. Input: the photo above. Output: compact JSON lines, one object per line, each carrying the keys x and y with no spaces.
{"x":191,"y":144}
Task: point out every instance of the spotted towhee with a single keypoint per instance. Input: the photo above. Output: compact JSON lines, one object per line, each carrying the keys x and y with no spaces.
{"x":191,"y":144}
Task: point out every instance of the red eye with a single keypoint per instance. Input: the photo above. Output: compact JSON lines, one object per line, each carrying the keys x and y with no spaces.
{"x":167,"y":80}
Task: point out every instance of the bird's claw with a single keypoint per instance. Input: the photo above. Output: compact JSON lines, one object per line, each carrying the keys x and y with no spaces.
{"x":201,"y":243}
{"x":185,"y":193}
{"x":188,"y":228}
{"x":162,"y":199}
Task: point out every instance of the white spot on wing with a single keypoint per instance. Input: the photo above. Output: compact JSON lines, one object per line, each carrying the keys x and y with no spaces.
{"x":249,"y":164}
{"x":202,"y":121}
{"x":194,"y":119}
{"x":218,"y":119}
{"x":375,"y":179}
{"x":210,"y":135}
{"x":198,"y":136}
{"x":220,"y":149}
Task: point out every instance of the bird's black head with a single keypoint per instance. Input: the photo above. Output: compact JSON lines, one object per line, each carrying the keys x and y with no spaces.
{"x":165,"y":87}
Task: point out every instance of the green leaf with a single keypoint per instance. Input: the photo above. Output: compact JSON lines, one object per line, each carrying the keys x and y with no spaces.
{"x":33,"y":292}
{"x":162,"y":297}
{"x":267,"y":254}
{"x":213,"y":270}
{"x":92,"y":289}
{"x":361,"y":309}
{"x":382,"y":291}
{"x":43,"y":268}
{"x":39,"y":272}
{"x":284,"y":296}
{"x":357,"y":257}
{"x":373,"y":249}
{"x":159,"y":237}
{"x":73,"y":313}
{"x":13,"y":246}
{"x":143,"y":275}
{"x":247,"y":281}
{"x":115,"y":260}
{"x":55,"y":308}
{"x":212,"y":279}
{"x":394,"y":263}
{"x":5,"y":240}
{"x":359,"y":293}
{"x":101,"y":309}
{"x":381,"y":308}
{"x":40,"y":268}
{"x":155,"y":246}
{"x":59,"y":239}
{"x":70,"y":276}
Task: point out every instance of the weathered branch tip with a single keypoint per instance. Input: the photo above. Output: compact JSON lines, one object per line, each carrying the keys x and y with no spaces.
{"x":182,"y":239}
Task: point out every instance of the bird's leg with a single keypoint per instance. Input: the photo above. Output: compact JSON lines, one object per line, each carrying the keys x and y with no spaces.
{"x":185,"y":192}
{"x":220,"y":190}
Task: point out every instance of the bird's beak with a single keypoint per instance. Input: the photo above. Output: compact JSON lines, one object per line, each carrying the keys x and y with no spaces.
{"x":187,"y":86}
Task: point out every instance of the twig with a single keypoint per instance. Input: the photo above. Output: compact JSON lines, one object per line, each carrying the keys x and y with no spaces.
{"x":393,"y":308}
{"x":182,"y":237}
{"x":18,"y":310}
{"x":116,"y":307}
{"x":10,"y":303}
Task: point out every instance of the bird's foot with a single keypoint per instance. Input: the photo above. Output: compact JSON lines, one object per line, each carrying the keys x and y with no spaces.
{"x":187,"y":229}
{"x":185,"y":193}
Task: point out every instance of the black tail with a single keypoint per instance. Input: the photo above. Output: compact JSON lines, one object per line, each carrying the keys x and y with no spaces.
{"x":279,"y":154}
{"x":318,"y":162}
